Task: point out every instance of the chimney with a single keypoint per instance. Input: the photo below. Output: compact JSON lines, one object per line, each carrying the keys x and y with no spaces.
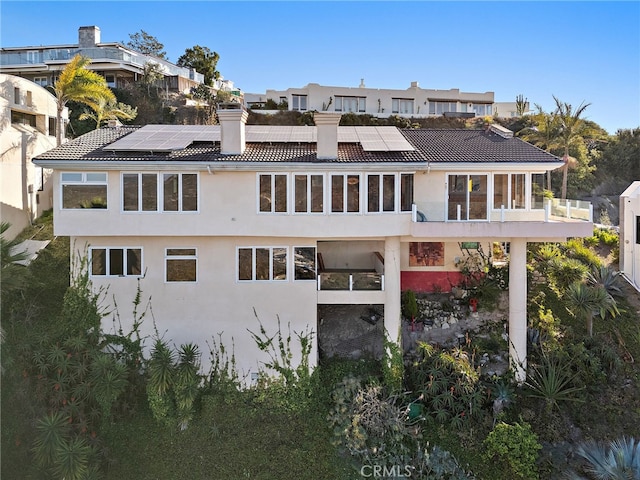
{"x":327,"y":138}
{"x":232,"y":117}
{"x":88,"y":37}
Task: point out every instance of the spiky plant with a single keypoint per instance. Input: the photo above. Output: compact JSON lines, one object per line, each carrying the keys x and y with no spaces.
{"x":619,"y":460}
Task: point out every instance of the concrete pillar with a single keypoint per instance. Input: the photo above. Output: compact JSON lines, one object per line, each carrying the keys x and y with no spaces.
{"x":392,"y":311}
{"x":518,"y":308}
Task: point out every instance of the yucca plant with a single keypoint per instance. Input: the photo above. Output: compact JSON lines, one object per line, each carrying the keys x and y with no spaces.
{"x":52,"y":432}
{"x":552,"y":380}
{"x":72,"y":459}
{"x":584,"y":301}
{"x":619,"y":460}
{"x":187,"y":382}
{"x":606,"y":277}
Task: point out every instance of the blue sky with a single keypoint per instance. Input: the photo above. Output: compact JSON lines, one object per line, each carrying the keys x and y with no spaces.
{"x":578,"y":51}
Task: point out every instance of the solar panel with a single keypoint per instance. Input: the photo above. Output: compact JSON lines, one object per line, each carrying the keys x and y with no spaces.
{"x":177,"y":137}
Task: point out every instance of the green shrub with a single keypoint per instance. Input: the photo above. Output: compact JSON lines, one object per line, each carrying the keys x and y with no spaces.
{"x":517,"y":445}
{"x":575,"y":248}
{"x":449,"y":385}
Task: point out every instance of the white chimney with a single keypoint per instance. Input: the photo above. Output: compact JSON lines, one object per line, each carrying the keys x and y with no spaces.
{"x":232,"y":133}
{"x":327,"y":128}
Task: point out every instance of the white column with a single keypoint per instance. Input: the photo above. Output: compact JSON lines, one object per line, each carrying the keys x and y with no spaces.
{"x":518,"y":308}
{"x":392,"y":288}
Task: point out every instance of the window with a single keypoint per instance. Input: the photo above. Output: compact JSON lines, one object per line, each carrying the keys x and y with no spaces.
{"x":273,"y":193}
{"x":16,"y":95}
{"x":29,"y":98}
{"x":299,"y":102}
{"x":345,"y":193}
{"x":439,"y":108}
{"x":20,"y":118}
{"x":181,"y":265}
{"x":84,"y":190}
{"x":481,"y":109}
{"x":33,"y":56}
{"x":262,"y":263}
{"x":537,"y":190}
{"x":180,"y":192}
{"x":111,"y":80}
{"x":406,"y":192}
{"x":309,"y":193}
{"x":402,"y":105}
{"x":509,"y":191}
{"x":42,"y":81}
{"x":350,"y":104}
{"x":140,"y":192}
{"x":381,"y":193}
{"x":52,"y":126}
{"x":304,"y":260}
{"x":637,"y":230}
{"x":116,"y":262}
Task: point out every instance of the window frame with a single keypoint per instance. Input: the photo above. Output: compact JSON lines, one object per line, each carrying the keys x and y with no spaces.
{"x":511,"y":191}
{"x":160,"y":192}
{"x":125,"y":263}
{"x":297,"y":98}
{"x":345,"y":193}
{"x":398,"y":103}
{"x":189,"y":257}
{"x":315,"y":263}
{"x":272,"y":192}
{"x":254,"y":265}
{"x":309,"y":204}
{"x":361,"y":103}
{"x":84,"y":180}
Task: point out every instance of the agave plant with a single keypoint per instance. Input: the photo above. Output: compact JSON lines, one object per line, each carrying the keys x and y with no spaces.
{"x":552,"y":380}
{"x":619,"y":460}
{"x":606,"y":277}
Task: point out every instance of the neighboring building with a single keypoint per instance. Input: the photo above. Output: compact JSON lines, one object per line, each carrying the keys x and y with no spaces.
{"x":220,"y":224}
{"x":412,"y":102}
{"x":27,"y":128}
{"x":509,"y":109}
{"x":118,"y":64}
{"x":630,"y":234}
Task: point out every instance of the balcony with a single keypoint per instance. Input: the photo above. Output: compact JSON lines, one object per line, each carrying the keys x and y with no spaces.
{"x":351,"y":281}
{"x":96,"y":54}
{"x":555,"y":220}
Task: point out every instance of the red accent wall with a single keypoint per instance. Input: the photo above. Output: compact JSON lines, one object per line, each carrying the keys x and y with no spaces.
{"x":424,"y":282}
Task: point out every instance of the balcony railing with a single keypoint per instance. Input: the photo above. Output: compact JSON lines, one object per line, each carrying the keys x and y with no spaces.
{"x":551,"y":210}
{"x":96,"y":53}
{"x":351,"y":281}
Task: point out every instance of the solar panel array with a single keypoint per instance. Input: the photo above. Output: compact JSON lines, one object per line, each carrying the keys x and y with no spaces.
{"x":165,"y":138}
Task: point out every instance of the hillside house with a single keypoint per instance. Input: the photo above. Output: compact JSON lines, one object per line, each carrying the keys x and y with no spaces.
{"x":630,"y":234}
{"x":219,"y":222}
{"x":28,"y":124}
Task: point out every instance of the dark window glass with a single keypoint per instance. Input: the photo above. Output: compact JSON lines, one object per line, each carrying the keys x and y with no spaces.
{"x":189,"y":192}
{"x":98,"y":261}
{"x":116,"y":261}
{"x":373,"y":193}
{"x":149,"y":192}
{"x":245,"y":264}
{"x":305,"y":263}
{"x":170,"y":192}
{"x":130,"y":195}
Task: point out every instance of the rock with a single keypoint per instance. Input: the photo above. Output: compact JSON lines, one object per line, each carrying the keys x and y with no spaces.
{"x":445,"y":325}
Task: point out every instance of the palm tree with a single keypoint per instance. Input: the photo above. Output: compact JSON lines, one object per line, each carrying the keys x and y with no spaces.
{"x":109,"y":109}
{"x":78,"y":84}
{"x":572,"y":131}
{"x":584,"y":301}
{"x":620,"y":460}
{"x":544,"y":134}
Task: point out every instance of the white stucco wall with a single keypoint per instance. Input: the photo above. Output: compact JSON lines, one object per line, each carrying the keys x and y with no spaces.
{"x":25,"y":189}
{"x":629,"y":243}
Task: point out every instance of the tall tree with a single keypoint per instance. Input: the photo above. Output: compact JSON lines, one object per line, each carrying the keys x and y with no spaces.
{"x":81,"y":85}
{"x":109,"y":110}
{"x":148,"y":44}
{"x":203,"y":60}
{"x":572,"y":131}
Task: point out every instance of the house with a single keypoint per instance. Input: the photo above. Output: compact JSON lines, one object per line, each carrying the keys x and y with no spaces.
{"x":118,"y":64}
{"x":630,"y":234}
{"x":220,"y":224}
{"x":413,"y":102}
{"x":28,"y":126}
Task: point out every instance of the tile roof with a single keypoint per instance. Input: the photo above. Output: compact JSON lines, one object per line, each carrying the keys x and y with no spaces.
{"x":474,"y":146}
{"x":460,"y":146}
